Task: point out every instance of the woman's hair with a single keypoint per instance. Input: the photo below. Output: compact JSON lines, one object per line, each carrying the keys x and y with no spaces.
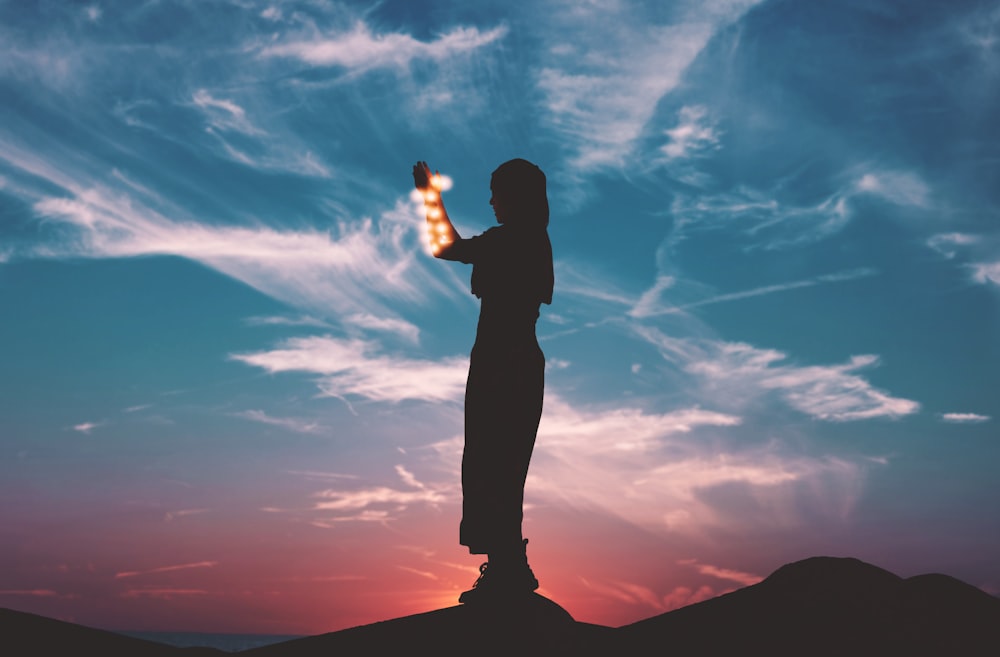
{"x":521,"y":184}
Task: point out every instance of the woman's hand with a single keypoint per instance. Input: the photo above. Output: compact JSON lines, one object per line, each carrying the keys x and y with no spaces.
{"x":421,"y":175}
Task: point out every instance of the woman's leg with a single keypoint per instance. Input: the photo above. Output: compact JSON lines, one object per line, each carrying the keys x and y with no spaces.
{"x":503,"y":406}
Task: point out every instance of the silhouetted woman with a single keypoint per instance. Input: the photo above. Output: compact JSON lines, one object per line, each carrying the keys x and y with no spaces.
{"x":512,"y":276}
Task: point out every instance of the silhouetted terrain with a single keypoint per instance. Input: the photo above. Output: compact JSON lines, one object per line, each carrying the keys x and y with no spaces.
{"x":25,"y":634}
{"x":830,"y":606}
{"x":816,"y":607}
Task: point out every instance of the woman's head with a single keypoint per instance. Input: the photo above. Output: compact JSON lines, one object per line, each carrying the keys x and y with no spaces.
{"x":519,"y":198}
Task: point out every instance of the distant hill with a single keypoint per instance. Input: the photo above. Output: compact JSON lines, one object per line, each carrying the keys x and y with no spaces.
{"x":823,"y":606}
{"x":24,"y":635}
{"x":831,"y":606}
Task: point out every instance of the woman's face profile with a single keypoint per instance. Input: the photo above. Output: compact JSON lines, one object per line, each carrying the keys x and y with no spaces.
{"x":499,"y":206}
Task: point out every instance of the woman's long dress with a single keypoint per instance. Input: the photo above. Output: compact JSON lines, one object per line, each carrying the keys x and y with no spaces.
{"x":512,"y":275}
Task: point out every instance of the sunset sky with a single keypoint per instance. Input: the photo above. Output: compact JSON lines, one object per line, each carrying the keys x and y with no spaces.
{"x":231,"y":376}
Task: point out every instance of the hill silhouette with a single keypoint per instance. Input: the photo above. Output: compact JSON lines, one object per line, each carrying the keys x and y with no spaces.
{"x":817,"y":607}
{"x":29,"y":634}
{"x":832,"y":606}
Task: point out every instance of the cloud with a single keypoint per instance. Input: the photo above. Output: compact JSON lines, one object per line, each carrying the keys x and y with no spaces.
{"x":279,"y":320}
{"x":827,"y":392}
{"x":163,"y":593}
{"x":601,"y":87}
{"x":653,"y":469}
{"x":601,"y":112}
{"x":740,"y":577}
{"x":899,"y":187}
{"x":292,"y":424}
{"x":946,"y":243}
{"x":170,"y":516}
{"x":224,"y":114}
{"x":87,"y":427}
{"x":769,"y":220}
{"x":422,"y":573}
{"x":734,"y":373}
{"x":356,"y":268}
{"x":965,"y":418}
{"x":986,"y":272}
{"x":383,"y":503}
{"x":581,"y":281}
{"x":651,"y":305}
{"x":360,"y":49}
{"x":682,"y":596}
{"x":692,"y":135}
{"x":621,"y":429}
{"x":271,"y":13}
{"x":316,"y":474}
{"x":357,"y":368}
{"x":640,"y":595}
{"x":30,"y":593}
{"x":243,"y":142}
{"x":166,"y":569}
{"x":649,"y":302}
{"x":400,"y":327}
{"x":763,"y":220}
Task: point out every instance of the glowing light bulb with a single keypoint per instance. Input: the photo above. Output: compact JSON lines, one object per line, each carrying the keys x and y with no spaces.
{"x":436,"y":181}
{"x":444,"y":240}
{"x":434,"y":213}
{"x":430,"y":196}
{"x":441,"y":228}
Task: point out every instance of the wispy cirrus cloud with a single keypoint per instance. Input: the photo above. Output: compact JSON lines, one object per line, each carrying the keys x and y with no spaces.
{"x":769,"y":220}
{"x":734,"y":373}
{"x":737,"y":576}
{"x":281,"y":320}
{"x":601,"y":88}
{"x":292,"y":424}
{"x":30,"y":593}
{"x":694,"y":134}
{"x":903,"y":188}
{"x":170,"y":516}
{"x":663,"y":464}
{"x":762,"y":219}
{"x":622,"y":429}
{"x":87,"y":427}
{"x":965,"y":418}
{"x":948,"y":244}
{"x":640,"y":595}
{"x":986,"y":272}
{"x":976,"y":253}
{"x":650,"y":303}
{"x":353,"y":270}
{"x":163,"y":593}
{"x":224,"y":114}
{"x":383,"y":503}
{"x":391,"y":325}
{"x":360,"y":49}
{"x":360,"y":368}
{"x":166,"y":569}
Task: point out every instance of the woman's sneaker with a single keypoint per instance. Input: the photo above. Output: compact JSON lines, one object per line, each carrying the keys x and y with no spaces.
{"x":500,"y":584}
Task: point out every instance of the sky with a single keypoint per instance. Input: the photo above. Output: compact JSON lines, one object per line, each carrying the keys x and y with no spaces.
{"x":231,"y":376}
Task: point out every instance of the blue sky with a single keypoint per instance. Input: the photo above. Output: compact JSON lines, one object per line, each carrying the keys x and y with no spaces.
{"x":232,"y":376}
